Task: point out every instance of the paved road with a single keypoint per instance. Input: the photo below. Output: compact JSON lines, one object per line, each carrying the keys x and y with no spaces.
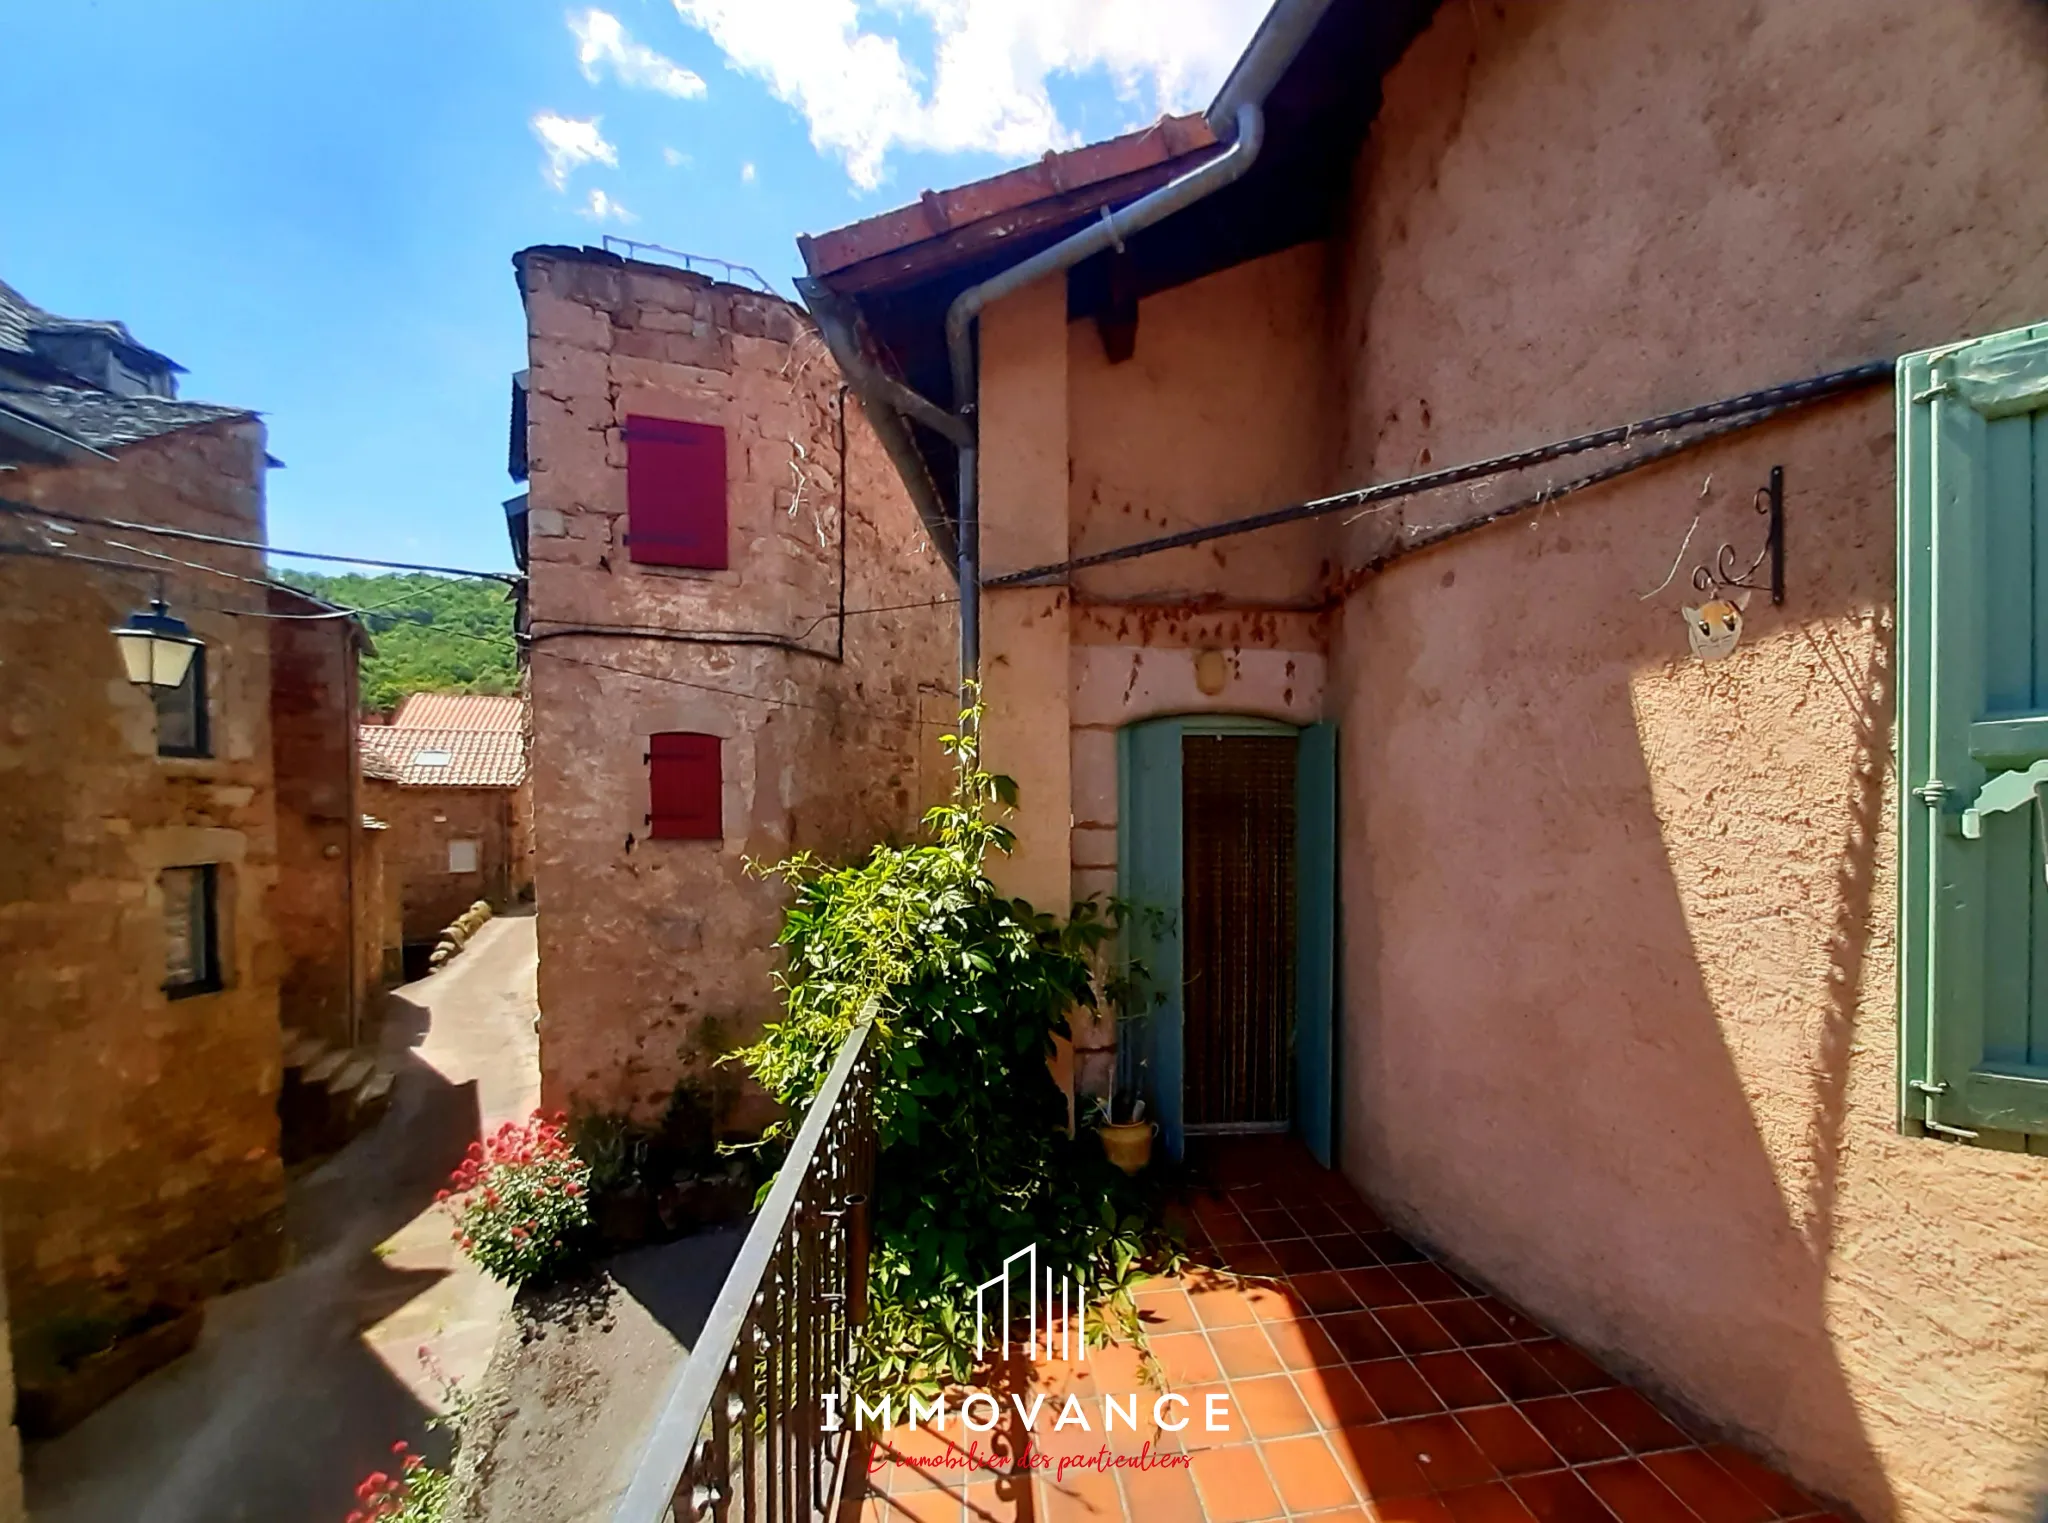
{"x":300,"y":1386}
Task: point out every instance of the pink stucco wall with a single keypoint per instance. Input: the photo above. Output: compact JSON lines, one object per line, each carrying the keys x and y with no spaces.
{"x":1620,"y":927}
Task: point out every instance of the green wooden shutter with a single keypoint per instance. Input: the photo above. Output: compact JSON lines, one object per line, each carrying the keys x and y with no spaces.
{"x":1148,"y":829}
{"x":1973,"y":735}
{"x":1315,"y":933}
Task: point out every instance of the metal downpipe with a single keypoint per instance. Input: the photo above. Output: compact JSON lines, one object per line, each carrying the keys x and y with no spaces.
{"x":1108,"y":232}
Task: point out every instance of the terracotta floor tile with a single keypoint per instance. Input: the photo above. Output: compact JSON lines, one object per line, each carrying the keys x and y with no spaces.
{"x":1338,"y":1515}
{"x":1301,"y":1255}
{"x":1572,"y":1431}
{"x":1429,"y":1282}
{"x":1397,"y":1388}
{"x":1469,"y":1323}
{"x":1228,"y":1229}
{"x":1077,"y":1495}
{"x":1379,"y":1464}
{"x":1762,"y":1482}
{"x":1303,"y":1345}
{"x":1706,"y":1488}
{"x":1162,"y":1496}
{"x":1245,"y":1351}
{"x":1559,"y":1496}
{"x":1117,"y":1367}
{"x":1318,"y":1220}
{"x":1515,"y":1370}
{"x":1572,"y":1369}
{"x":1446,"y":1453}
{"x":1508,"y":1440}
{"x":1248,"y":1259}
{"x":1392,"y":1248}
{"x":1308,"y":1475}
{"x":1518,"y":1326}
{"x":1457,"y":1380}
{"x":1415,"y":1330}
{"x":1414,"y":1510}
{"x":1274,"y":1223}
{"x":1494,"y":1502}
{"x":1359,"y":1336}
{"x":1346,"y":1251}
{"x":1633,"y":1494}
{"x":1323,"y":1291}
{"x":1220,"y":1305}
{"x":1185,"y":1359}
{"x":1630,"y":1417}
{"x":1233,"y":1486}
{"x":1274,"y":1301}
{"x":1375,"y":1285}
{"x":924,"y":1507}
{"x":1230,"y":1427}
{"x":1336,"y":1397}
{"x":1165,"y":1311}
{"x":1272,"y":1407}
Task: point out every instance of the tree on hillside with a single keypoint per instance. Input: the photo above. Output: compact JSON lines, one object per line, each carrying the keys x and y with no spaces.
{"x":434,"y":634}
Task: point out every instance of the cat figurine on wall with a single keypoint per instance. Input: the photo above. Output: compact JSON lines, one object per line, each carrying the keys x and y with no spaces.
{"x":1713,"y":628}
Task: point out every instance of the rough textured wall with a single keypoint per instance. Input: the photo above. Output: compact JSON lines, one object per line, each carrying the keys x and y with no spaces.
{"x":1226,"y":408}
{"x":422,"y":822}
{"x":138,"y":1134}
{"x":379,"y":918}
{"x":319,"y":821}
{"x":644,"y":943}
{"x":1620,"y":926}
{"x":12,"y":1508}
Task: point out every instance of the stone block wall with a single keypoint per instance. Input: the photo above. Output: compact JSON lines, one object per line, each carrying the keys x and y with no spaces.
{"x":422,"y":822}
{"x":138,"y":1133}
{"x":652,"y":950}
{"x":324,"y":989}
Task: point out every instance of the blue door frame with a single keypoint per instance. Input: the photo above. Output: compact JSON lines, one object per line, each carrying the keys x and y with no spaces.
{"x":1149,"y":877}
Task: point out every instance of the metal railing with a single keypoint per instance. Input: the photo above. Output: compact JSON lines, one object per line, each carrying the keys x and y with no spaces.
{"x":742,"y":1436}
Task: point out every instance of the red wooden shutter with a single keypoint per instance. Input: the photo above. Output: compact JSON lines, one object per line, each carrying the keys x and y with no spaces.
{"x":684,"y":788}
{"x":675,"y":493}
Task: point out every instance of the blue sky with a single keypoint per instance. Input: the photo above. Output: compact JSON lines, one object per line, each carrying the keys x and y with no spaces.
{"x":313,"y":206}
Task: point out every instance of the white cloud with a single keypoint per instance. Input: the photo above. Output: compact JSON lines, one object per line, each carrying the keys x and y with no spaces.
{"x":570,"y":144}
{"x":747,"y":173}
{"x":602,"y":208}
{"x":675,"y":158}
{"x":991,"y":62}
{"x":601,"y":41}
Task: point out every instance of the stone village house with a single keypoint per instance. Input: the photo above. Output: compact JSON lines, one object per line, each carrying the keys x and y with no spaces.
{"x":448,"y":775}
{"x":735,"y":654}
{"x":183,"y":871}
{"x":1681,"y":1001}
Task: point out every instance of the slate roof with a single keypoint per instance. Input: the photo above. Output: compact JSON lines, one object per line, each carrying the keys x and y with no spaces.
{"x":461,"y":711}
{"x":105,"y":421}
{"x":419,"y":757}
{"x":18,"y":315}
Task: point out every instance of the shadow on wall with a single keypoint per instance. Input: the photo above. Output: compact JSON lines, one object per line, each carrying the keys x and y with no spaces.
{"x":1589,"y":1054}
{"x":285,"y":1405}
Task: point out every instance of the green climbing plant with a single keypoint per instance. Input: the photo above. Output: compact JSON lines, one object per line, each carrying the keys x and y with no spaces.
{"x":966,"y":989}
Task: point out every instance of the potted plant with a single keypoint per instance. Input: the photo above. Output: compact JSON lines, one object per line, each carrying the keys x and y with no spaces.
{"x":1125,"y":1130}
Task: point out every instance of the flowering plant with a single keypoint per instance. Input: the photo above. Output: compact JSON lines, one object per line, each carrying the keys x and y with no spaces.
{"x":416,"y":1494}
{"x":521,"y":1200}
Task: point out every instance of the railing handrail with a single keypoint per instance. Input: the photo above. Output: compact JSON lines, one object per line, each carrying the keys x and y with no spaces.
{"x":665,"y":1457}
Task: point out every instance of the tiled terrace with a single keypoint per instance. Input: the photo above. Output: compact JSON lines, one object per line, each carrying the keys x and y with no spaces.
{"x":1364,"y":1382}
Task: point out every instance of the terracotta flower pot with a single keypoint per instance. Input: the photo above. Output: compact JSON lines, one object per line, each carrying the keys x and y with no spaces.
{"x":1128,"y":1143}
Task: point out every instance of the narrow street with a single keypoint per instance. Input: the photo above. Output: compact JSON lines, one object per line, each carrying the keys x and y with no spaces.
{"x":299,"y":1387}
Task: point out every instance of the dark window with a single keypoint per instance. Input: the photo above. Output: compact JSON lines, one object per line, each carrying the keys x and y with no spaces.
{"x":675,"y":493}
{"x":684,"y":789}
{"x":191,"y":931}
{"x":181,"y":713}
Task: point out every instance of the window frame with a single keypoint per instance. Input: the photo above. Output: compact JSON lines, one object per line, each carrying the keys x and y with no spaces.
{"x":210,"y":980}
{"x":202,"y":728}
{"x":476,"y":855}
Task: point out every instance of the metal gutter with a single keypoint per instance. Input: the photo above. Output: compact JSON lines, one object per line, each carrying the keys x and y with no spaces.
{"x":41,"y":437}
{"x":1268,"y":56}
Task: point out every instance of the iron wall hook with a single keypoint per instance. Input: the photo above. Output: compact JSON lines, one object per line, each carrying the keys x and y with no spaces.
{"x":1722,"y":575}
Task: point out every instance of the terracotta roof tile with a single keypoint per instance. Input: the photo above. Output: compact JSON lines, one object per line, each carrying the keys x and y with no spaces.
{"x":462,"y":711}
{"x":417,"y":757}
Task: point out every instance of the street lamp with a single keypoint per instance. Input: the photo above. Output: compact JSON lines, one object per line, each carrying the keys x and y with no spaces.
{"x":156,"y":646}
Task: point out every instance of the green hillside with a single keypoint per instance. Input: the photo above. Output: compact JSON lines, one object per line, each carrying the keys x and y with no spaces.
{"x":435,"y":634}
